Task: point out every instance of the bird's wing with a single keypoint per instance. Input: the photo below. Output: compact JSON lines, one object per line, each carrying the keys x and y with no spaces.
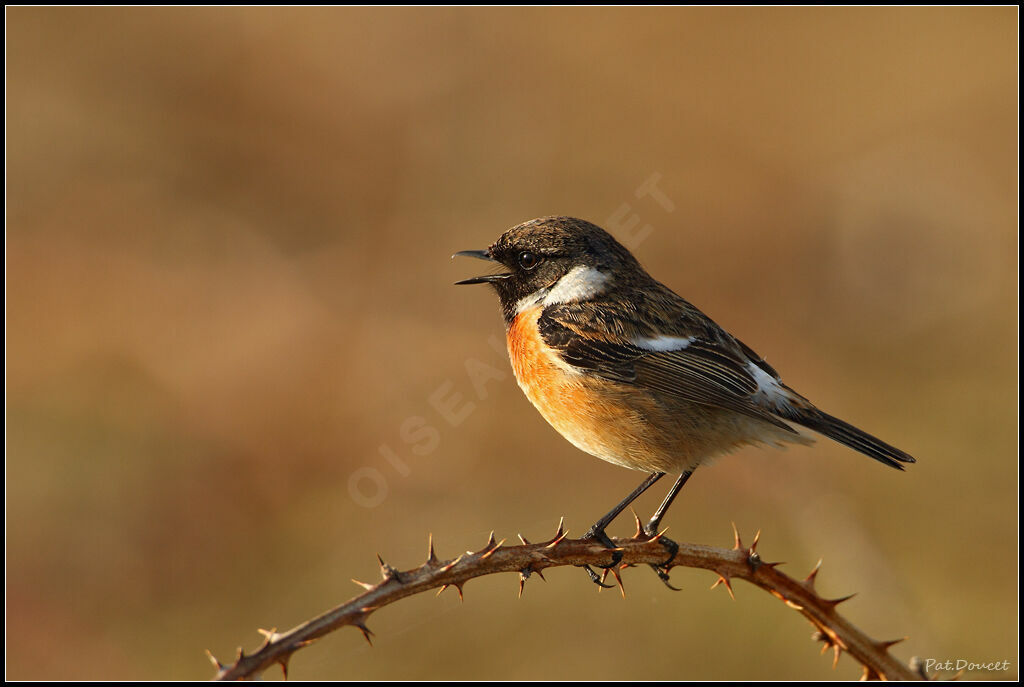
{"x":683,"y":355}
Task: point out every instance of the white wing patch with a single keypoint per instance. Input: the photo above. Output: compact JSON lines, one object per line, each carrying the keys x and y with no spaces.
{"x":660,"y":344}
{"x":769,"y":391}
{"x":579,"y":284}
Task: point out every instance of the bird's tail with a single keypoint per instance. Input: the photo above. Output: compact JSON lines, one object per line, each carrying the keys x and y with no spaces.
{"x":847,"y":434}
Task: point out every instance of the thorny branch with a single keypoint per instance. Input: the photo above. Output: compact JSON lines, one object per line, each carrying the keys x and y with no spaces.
{"x":834,"y":631}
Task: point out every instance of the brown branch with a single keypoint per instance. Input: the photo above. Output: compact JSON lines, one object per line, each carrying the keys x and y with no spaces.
{"x":740,"y":562}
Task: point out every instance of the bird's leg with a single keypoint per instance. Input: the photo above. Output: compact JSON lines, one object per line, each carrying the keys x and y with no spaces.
{"x":652,"y":527}
{"x":597,"y":530}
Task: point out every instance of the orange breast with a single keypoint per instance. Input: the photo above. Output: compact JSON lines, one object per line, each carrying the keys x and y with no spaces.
{"x":532,"y":361}
{"x":593,"y":414}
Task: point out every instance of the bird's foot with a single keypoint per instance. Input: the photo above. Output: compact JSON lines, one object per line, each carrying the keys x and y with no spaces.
{"x":599,"y":535}
{"x":662,"y":569}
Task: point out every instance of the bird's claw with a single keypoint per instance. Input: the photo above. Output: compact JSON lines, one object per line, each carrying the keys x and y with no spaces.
{"x":595,"y":578}
{"x":661,"y":569}
{"x":601,"y":537}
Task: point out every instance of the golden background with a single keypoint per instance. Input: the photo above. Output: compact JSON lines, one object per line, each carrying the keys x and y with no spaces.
{"x":229,"y":286}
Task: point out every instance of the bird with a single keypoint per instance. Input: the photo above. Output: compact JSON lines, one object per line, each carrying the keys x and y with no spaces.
{"x":630,"y":372}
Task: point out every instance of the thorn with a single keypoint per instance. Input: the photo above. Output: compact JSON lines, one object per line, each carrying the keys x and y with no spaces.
{"x":431,"y":556}
{"x":239,"y":654}
{"x":829,"y":640}
{"x":457,"y":585}
{"x":491,"y":552}
{"x":888,"y":644}
{"x":270,"y":636}
{"x":658,"y":536}
{"x":213,"y":659}
{"x":365,"y":585}
{"x":618,"y":581}
{"x":753,"y":545}
{"x":792,"y":604}
{"x":812,"y":576}
{"x":639,"y":525}
{"x":367,"y":633}
{"x":737,"y":542}
{"x":526,"y":542}
{"x":451,"y":565}
{"x":559,"y":533}
{"x":724,"y":579}
{"x":283,"y":661}
{"x":772,"y":565}
{"x":389,"y":573}
{"x":489,"y":544}
{"x":559,"y":536}
{"x":525,"y":573}
{"x":832,"y":603}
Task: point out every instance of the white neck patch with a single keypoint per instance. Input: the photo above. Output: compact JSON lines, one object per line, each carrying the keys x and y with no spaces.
{"x":527,"y":302}
{"x":579,"y":284}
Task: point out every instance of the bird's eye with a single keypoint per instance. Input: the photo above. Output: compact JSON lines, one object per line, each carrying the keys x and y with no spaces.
{"x":528,"y":260}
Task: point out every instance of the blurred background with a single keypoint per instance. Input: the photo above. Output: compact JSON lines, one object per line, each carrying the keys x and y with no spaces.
{"x":237,"y":367}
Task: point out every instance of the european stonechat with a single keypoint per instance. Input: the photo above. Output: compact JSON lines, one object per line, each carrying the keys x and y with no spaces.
{"x":630,"y":372}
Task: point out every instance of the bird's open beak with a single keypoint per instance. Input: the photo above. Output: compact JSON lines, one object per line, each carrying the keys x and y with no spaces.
{"x":480,"y":255}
